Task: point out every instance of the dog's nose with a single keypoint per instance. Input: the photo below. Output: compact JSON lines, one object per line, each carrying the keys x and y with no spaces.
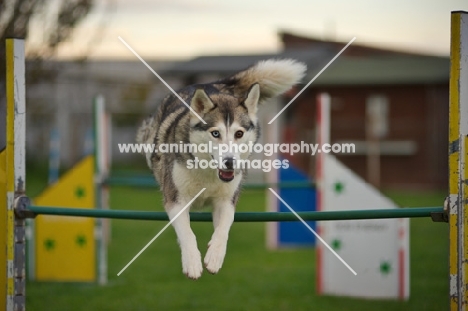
{"x":229,"y":163}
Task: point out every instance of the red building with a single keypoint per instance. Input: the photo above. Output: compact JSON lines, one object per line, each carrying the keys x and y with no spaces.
{"x":413,"y":147}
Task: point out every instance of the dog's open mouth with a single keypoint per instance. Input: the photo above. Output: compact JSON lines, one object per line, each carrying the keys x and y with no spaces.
{"x":226,"y":175}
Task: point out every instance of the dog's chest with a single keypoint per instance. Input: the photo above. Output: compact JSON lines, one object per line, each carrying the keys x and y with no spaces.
{"x":190,"y":182}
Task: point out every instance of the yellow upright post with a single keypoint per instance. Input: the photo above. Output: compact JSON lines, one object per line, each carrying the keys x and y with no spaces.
{"x":12,"y":181}
{"x":458,"y":173}
{"x":3,"y":216}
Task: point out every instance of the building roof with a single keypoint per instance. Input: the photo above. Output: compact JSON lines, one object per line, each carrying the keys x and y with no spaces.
{"x":357,"y":65}
{"x":380,"y":70}
{"x":345,"y":70}
{"x":228,"y":64}
{"x":291,"y":40}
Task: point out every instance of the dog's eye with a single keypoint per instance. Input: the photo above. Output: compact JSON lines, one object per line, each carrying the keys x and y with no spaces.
{"x":215,"y":134}
{"x":239,"y":134}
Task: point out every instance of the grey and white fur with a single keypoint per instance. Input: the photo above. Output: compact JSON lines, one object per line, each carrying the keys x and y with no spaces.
{"x":229,"y":108}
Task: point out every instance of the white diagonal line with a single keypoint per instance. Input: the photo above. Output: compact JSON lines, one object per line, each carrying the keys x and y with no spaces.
{"x":313,"y":231}
{"x":313,"y":79}
{"x":159,"y":233}
{"x":156,"y":74}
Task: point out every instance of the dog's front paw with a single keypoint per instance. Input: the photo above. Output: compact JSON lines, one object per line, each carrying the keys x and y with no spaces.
{"x":215,"y":256}
{"x":191,"y":263}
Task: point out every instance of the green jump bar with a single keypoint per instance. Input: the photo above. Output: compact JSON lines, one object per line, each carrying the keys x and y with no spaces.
{"x":242,"y":216}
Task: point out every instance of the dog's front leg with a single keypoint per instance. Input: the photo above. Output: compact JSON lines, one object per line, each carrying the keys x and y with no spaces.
{"x":191,"y":257}
{"x":223,"y":216}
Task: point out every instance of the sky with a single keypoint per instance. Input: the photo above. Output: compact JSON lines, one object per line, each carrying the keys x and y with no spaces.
{"x":171,"y":29}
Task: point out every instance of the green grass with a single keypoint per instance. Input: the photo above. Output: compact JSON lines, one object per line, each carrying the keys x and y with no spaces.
{"x":252,"y":277}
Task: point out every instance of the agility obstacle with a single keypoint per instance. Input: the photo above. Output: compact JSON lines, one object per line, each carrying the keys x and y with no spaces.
{"x":458,"y":159}
{"x":12,"y":182}
{"x":32,"y":211}
{"x":15,"y":206}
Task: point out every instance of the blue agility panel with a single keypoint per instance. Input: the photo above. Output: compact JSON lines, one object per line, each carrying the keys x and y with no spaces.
{"x":292,"y":234}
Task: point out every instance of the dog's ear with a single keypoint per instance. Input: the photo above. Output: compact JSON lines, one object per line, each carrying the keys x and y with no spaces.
{"x":201,"y":104}
{"x":251,"y":102}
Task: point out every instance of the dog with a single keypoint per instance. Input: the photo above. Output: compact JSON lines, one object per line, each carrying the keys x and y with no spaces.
{"x":228,"y":108}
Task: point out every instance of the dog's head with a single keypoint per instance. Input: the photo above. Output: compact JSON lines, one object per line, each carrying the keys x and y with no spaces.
{"x":230,"y":123}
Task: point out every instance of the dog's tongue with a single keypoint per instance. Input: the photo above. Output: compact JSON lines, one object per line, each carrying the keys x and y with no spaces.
{"x":226,"y":174}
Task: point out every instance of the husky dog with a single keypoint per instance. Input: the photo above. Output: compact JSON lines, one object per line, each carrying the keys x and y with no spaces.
{"x":229,"y":109}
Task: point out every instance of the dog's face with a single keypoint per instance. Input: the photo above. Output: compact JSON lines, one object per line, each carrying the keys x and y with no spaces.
{"x":231,"y":126}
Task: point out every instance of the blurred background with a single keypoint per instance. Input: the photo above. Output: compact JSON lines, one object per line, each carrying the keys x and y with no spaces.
{"x":399,"y":63}
{"x":400,"y":57}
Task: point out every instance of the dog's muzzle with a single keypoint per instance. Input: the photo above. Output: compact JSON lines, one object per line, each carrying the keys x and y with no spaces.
{"x":226,"y":174}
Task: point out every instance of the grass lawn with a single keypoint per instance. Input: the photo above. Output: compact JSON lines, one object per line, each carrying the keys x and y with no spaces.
{"x":252,"y":277}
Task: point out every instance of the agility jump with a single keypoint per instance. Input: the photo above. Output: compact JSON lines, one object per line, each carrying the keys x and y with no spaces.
{"x":15,"y":206}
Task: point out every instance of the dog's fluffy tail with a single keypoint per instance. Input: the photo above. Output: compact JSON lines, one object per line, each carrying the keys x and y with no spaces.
{"x":275,"y":76}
